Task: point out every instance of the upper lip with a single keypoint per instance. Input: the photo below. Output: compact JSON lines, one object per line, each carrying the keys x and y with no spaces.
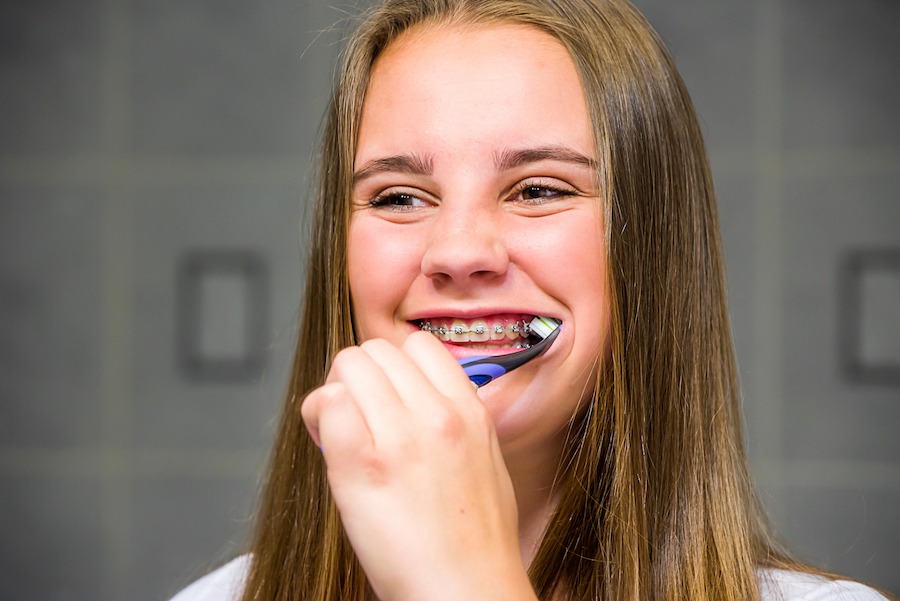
{"x":469,"y":314}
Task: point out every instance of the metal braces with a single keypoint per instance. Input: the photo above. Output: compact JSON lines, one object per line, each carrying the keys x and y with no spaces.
{"x":524,"y":328}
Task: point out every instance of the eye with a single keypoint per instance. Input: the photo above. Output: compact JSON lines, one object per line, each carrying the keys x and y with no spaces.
{"x":397,"y":201}
{"x":538,"y":192}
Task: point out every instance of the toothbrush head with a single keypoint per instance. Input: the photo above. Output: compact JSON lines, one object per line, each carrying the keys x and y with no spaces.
{"x":482,"y":370}
{"x":543,"y":326}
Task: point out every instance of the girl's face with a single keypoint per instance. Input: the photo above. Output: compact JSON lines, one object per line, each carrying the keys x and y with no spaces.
{"x":475,"y":203}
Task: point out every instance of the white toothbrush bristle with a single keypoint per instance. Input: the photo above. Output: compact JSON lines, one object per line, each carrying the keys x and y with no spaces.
{"x":543,"y":326}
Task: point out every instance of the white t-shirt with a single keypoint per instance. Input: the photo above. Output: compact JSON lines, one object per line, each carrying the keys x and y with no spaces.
{"x":227,"y":584}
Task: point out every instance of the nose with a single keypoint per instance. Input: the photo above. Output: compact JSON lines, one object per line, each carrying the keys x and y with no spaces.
{"x":466,"y":247}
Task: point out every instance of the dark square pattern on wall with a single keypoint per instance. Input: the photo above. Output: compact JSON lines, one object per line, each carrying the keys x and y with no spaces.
{"x":870,"y":316}
{"x":222,"y":314}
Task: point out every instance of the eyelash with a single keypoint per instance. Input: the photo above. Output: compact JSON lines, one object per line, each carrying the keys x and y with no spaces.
{"x":384,"y":200}
{"x":555,"y":191}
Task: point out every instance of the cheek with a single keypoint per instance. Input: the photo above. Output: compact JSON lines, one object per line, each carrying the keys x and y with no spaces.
{"x":590,"y":288}
{"x":588,"y":281}
{"x":570,"y":257}
{"x":569,"y":263}
{"x":359,"y":264}
{"x":380,"y":267}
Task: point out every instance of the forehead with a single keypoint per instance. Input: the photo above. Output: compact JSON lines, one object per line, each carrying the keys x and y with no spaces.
{"x":457,"y":38}
{"x":498,"y":50}
{"x":474,"y":84}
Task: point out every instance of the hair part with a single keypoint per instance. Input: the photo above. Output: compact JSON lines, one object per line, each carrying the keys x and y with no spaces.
{"x":656,"y":501}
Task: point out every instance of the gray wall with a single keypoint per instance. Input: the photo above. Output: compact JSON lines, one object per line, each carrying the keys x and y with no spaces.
{"x":154,"y":157}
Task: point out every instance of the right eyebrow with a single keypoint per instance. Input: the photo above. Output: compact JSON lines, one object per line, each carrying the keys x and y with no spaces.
{"x":510,"y":159}
{"x":401,"y":163}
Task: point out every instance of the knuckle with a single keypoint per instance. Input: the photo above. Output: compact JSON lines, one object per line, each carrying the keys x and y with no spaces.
{"x":322,"y":397}
{"x":447,"y":425}
{"x":375,"y":468}
{"x":340,"y":359}
{"x":344,"y":360}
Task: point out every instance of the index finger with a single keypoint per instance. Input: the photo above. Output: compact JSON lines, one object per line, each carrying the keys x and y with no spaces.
{"x":438,"y":365}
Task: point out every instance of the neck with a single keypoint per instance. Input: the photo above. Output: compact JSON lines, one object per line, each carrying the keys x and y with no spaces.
{"x":536,"y":497}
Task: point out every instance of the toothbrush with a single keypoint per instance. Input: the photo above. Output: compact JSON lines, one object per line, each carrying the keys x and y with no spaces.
{"x":482,"y":370}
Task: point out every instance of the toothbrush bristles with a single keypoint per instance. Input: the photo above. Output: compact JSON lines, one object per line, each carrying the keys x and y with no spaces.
{"x":543,"y":326}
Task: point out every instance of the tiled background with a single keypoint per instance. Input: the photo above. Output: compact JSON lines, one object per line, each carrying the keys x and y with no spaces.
{"x":136,"y":133}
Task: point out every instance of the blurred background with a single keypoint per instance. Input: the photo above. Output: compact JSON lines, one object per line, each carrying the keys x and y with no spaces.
{"x":154,"y":167}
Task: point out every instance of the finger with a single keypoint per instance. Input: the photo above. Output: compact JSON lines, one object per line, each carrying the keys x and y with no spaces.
{"x":334,"y":421}
{"x":438,"y":365}
{"x":407,"y":378}
{"x":370,"y":388}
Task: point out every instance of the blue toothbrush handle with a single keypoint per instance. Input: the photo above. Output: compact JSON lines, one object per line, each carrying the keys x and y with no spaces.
{"x":484,"y":369}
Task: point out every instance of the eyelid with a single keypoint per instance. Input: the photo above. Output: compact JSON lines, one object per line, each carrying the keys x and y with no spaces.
{"x":381,"y":184}
{"x":563,"y":189}
{"x":382,"y":198}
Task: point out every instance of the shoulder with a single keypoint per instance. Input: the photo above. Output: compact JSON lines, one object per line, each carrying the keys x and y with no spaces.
{"x":786,"y":585}
{"x":223,"y":584}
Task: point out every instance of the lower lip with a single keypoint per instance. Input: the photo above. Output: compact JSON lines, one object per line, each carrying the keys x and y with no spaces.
{"x":461,"y":351}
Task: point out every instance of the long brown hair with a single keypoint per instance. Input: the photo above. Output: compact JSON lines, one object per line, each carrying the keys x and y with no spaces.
{"x":655,"y":496}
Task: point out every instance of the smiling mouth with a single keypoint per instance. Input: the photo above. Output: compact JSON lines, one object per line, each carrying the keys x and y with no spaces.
{"x":489,"y":333}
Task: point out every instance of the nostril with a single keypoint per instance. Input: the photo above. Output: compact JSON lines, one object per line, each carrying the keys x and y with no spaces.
{"x":465,"y":256}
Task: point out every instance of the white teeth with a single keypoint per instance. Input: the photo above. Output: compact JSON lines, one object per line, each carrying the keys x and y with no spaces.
{"x":479,"y":331}
{"x":459,"y":332}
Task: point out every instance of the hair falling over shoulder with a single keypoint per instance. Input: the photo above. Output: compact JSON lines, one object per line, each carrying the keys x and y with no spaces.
{"x":656,"y":502}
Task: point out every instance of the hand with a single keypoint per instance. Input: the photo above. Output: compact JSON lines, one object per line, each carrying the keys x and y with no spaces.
{"x":416,"y":471}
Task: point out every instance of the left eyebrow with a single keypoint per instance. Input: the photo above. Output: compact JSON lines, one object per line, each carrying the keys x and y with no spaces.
{"x":401,"y":163}
{"x":510,"y":159}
